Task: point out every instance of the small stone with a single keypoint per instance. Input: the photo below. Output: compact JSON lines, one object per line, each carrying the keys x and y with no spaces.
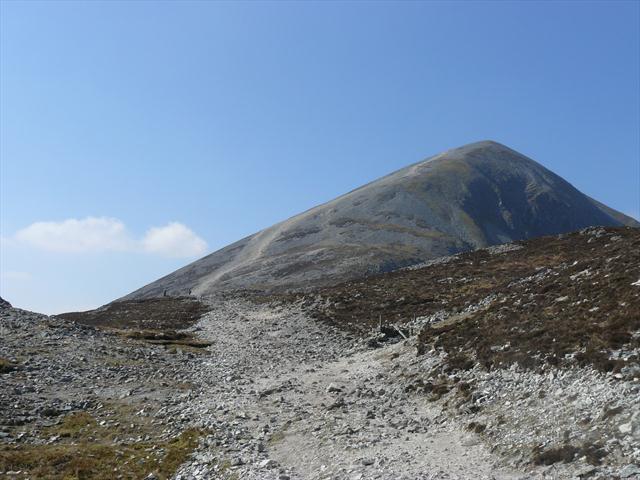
{"x":630,"y":471}
{"x":367,"y":461}
{"x":268,"y":463}
{"x":625,"y":428}
{"x":337,"y":404}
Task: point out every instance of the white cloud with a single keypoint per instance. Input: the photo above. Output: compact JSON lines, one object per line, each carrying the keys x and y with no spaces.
{"x":103,"y":234}
{"x":90,"y":234}
{"x":173,"y":240}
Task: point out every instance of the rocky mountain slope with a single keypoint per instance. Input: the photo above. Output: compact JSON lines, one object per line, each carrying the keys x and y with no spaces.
{"x":533,"y":345}
{"x":462,"y":199}
{"x":519,"y":361}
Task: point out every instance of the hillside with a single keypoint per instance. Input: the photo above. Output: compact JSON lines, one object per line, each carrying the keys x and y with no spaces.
{"x":534,"y":346}
{"x":462,"y":199}
{"x":520,"y":361}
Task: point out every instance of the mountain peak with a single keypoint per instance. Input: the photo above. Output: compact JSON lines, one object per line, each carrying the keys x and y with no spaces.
{"x":483,"y":145}
{"x":473,"y":196}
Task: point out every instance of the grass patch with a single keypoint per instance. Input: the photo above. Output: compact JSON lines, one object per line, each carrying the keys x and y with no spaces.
{"x":166,"y":337}
{"x":6,"y":366}
{"x":437,"y":388}
{"x":279,"y":436}
{"x":164,"y":313}
{"x":476,"y":427}
{"x":87,"y":450}
{"x":74,"y":425}
{"x":593,"y":453}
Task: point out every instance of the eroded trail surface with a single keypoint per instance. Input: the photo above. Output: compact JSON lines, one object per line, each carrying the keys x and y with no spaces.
{"x":285,"y":396}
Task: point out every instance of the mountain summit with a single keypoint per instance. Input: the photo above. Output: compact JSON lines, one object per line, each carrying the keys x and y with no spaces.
{"x":470,"y":197}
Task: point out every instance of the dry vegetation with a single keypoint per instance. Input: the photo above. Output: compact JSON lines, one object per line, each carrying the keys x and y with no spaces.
{"x":560,"y":300}
{"x":164,"y":313}
{"x":166,"y":337}
{"x":81,"y":447}
{"x":156,"y":321}
{"x":115,"y":433}
{"x":6,"y":365}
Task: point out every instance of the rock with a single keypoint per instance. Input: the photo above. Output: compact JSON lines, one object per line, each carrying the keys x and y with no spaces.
{"x":268,"y":463}
{"x":373,"y":342}
{"x":630,"y":471}
{"x":337,"y":404}
{"x":584,"y":472}
{"x":368,"y":461}
{"x":630,"y":372}
{"x":625,"y":428}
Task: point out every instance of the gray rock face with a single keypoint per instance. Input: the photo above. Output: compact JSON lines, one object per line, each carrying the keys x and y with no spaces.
{"x":4,"y":304}
{"x":469,"y":197}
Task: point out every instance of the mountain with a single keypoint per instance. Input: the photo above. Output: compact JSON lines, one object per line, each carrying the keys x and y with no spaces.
{"x":466,"y":198}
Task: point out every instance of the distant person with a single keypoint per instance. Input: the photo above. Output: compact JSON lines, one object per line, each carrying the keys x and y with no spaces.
{"x":164,"y":294}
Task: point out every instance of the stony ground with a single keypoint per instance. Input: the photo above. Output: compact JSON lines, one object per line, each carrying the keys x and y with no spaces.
{"x":278,"y":396}
{"x":291,"y":398}
{"x":78,"y":402}
{"x":267,"y":390}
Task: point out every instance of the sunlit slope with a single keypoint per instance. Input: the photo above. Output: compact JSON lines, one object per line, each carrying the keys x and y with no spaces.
{"x":469,"y":197}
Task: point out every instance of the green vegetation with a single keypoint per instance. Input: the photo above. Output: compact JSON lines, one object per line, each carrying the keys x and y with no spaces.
{"x":88,"y":450}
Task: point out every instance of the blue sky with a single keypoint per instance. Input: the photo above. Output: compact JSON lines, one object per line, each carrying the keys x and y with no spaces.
{"x":136,"y":136}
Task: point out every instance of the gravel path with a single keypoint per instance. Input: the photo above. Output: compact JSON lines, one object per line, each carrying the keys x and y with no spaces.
{"x":287,"y":397}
